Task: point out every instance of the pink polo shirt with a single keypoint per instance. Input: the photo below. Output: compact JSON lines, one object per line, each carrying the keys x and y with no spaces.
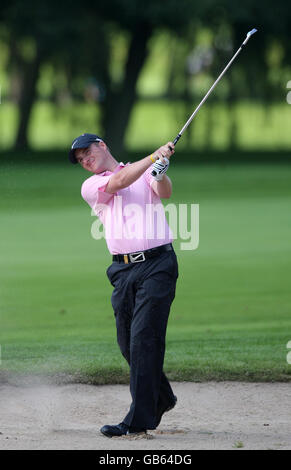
{"x":134,"y":217}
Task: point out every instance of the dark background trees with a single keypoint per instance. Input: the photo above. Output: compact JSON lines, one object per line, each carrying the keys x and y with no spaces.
{"x":78,"y":41}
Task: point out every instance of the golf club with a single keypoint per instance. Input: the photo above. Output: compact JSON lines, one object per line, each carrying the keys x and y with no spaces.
{"x":179,"y":135}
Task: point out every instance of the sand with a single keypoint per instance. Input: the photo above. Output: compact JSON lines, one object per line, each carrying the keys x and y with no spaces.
{"x":214,"y":415}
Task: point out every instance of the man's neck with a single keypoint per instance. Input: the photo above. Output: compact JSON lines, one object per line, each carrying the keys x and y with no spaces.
{"x":112,"y":164}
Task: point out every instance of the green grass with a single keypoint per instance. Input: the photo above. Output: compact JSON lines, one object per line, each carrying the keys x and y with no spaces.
{"x":231,"y":316}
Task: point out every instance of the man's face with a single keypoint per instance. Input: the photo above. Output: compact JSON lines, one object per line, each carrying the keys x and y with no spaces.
{"x":93,"y":158}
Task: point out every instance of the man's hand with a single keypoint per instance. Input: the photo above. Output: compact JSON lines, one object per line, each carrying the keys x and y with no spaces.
{"x":162,"y":163}
{"x":164,"y":151}
{"x":159,"y":168}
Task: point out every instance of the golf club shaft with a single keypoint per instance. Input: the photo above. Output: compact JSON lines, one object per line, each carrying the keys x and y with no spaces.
{"x":213,"y":86}
{"x":204,"y":99}
{"x":179,"y":135}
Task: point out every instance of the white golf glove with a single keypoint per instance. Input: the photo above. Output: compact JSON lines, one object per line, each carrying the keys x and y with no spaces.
{"x":159,"y":169}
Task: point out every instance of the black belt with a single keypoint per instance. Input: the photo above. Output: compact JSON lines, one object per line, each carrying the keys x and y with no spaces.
{"x":139,"y":256}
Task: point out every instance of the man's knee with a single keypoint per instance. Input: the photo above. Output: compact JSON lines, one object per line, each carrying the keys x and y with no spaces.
{"x":123,"y":340}
{"x":147,"y":340}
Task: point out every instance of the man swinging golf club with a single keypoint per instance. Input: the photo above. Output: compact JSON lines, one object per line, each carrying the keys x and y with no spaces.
{"x":143,"y":272}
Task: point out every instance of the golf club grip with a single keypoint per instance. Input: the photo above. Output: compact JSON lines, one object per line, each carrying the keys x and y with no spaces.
{"x":177,"y":138}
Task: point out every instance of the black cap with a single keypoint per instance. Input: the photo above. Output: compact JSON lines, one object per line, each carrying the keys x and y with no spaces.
{"x":82,"y":142}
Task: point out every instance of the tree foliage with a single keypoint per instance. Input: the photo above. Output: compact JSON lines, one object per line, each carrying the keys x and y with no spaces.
{"x":76,"y":38}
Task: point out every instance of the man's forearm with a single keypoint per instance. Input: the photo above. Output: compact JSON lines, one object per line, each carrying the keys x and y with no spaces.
{"x":162,"y":188}
{"x":131,"y":173}
{"x":128,"y":175}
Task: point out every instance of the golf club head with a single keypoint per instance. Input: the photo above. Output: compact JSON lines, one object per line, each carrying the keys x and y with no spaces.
{"x":250,"y":33}
{"x":253,"y":31}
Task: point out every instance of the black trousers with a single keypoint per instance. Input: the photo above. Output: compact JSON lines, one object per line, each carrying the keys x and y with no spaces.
{"x":141,"y":299}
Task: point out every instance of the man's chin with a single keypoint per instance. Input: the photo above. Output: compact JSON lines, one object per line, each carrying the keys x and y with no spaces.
{"x":91,"y":169}
{"x":94,"y":169}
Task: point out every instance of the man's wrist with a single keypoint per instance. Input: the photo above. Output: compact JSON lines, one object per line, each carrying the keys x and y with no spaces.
{"x":153,"y":158}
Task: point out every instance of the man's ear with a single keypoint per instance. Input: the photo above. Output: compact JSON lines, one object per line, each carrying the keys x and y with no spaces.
{"x":78,"y":152}
{"x":102,"y":144}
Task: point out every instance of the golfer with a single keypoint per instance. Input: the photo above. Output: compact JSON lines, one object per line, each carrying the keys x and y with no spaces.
{"x":143,"y":272}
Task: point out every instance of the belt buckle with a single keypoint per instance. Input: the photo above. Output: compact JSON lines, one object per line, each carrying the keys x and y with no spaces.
{"x":137,"y":257}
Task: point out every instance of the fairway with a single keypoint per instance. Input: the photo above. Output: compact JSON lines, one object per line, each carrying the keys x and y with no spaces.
{"x":231,"y":316}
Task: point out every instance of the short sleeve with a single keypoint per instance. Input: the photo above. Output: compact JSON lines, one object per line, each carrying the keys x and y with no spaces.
{"x":93,"y":190}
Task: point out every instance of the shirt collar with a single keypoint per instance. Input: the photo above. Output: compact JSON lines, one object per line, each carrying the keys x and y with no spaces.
{"x":116,"y":169}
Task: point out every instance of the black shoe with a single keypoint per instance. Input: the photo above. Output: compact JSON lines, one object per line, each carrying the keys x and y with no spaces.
{"x":163,"y":410}
{"x":112,"y":431}
{"x":132,"y":430}
{"x":120,"y":429}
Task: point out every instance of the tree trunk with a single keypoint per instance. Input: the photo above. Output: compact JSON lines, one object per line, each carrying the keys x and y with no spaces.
{"x":26,"y":101}
{"x":118,"y":105}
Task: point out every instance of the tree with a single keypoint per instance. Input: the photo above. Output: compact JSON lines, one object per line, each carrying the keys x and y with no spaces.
{"x":139,"y":19}
{"x":38,"y":32}
{"x":77,"y":38}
